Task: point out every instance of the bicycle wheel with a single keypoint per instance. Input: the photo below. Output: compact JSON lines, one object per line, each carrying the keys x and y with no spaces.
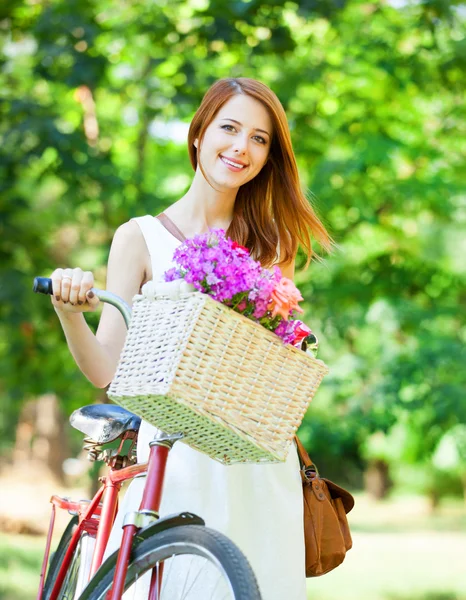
{"x":77,"y":575}
{"x":198,"y":564}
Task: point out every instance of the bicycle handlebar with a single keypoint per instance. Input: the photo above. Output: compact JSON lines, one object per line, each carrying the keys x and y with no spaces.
{"x":43,"y":285}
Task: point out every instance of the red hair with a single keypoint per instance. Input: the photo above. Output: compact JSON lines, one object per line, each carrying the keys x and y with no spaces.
{"x":272,"y":206}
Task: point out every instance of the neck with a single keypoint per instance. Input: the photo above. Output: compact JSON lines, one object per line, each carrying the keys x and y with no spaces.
{"x":204,"y":207}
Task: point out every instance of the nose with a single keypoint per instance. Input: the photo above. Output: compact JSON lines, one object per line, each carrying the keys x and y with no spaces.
{"x":240,"y":145}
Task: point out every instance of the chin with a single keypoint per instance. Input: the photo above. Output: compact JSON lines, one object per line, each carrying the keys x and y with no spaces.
{"x":225,"y":186}
{"x":224,"y":183}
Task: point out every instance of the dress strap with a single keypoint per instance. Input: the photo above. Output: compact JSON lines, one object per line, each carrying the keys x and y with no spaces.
{"x":179,"y":235}
{"x":171,"y":227}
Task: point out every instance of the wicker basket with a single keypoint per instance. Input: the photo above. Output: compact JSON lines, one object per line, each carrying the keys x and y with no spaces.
{"x":193,"y":365}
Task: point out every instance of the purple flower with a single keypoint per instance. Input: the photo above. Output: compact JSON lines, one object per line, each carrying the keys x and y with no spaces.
{"x":221,"y":268}
{"x":172,"y":274}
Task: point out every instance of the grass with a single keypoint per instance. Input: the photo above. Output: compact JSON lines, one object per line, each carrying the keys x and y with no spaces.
{"x":20,"y":564}
{"x":400,"y":552}
{"x":398,"y":566}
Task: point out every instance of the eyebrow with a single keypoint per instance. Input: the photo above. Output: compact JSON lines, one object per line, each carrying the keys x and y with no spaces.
{"x":240,"y":124}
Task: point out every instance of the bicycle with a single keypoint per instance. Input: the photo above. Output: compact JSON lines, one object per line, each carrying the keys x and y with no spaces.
{"x":150,"y":543}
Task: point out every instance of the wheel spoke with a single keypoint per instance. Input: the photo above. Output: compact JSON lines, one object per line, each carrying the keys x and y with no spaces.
{"x":192,"y":574}
{"x":195,"y":579}
{"x":214,"y":591}
{"x":167,"y":577}
{"x":186,"y":580}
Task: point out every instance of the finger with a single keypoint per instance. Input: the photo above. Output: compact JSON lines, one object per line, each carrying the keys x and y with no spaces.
{"x":92,"y":299}
{"x":87,"y":282}
{"x":75,"y":286}
{"x":66,"y":281}
{"x":56,"y":284}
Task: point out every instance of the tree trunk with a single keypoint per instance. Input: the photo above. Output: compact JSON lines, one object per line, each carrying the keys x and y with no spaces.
{"x":377,"y":479}
{"x":41,"y":439}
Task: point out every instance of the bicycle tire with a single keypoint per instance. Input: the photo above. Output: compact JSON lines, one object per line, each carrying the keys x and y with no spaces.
{"x":191,"y":540}
{"x":56,"y":558}
{"x":73,"y":575}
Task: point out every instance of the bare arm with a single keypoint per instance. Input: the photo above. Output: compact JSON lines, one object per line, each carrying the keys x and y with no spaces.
{"x":97,"y":355}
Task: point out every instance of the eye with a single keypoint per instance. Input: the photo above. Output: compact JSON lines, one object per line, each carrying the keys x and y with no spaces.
{"x":261,"y":139}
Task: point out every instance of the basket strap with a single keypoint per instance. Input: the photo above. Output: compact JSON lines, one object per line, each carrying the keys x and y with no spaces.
{"x":171,"y":227}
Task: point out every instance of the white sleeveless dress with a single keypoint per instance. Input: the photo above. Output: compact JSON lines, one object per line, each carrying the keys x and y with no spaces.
{"x":258,"y":506}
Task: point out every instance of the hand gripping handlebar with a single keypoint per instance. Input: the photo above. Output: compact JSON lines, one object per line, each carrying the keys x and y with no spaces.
{"x":43,"y":285}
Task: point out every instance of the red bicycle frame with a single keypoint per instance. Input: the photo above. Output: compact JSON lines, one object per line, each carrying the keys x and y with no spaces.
{"x":150,"y":503}
{"x":97,"y":518}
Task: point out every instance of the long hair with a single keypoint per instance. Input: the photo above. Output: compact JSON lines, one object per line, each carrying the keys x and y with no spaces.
{"x":271,"y":208}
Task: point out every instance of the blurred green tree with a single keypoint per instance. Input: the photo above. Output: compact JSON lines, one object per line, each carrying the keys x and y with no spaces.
{"x":95,"y":103}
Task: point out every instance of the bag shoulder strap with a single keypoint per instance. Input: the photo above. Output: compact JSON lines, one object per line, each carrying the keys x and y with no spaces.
{"x":304,"y":457}
{"x":309,"y":472}
{"x":171,"y":227}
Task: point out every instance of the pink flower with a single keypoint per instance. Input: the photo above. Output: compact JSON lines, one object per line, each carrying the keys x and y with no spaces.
{"x":242,"y":305}
{"x":242,"y":250}
{"x":284,"y":299}
{"x":301,"y":331}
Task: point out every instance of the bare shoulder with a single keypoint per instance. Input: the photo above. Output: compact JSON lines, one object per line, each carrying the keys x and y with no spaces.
{"x":129,"y":233}
{"x":129,"y":256}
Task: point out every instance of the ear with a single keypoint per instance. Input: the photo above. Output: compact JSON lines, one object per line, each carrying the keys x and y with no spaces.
{"x":195,"y":143}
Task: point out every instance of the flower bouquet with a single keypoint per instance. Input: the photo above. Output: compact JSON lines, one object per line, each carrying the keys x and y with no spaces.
{"x":220,"y":267}
{"x":215,"y":352}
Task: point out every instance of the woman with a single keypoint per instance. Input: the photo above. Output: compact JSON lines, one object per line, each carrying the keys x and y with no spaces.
{"x":246,"y":182}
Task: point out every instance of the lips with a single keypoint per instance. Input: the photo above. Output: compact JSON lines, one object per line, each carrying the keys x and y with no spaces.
{"x":232,"y":164}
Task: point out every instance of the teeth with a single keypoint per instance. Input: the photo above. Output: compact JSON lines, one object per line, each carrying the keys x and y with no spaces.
{"x":229,"y":162}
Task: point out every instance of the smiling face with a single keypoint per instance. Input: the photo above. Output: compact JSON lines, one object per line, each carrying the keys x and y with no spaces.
{"x":236,"y":143}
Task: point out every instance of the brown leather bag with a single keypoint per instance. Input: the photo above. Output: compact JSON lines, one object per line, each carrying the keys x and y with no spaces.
{"x":326,"y":530}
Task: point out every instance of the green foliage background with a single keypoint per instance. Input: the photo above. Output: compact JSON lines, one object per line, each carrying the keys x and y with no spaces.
{"x":374,"y":93}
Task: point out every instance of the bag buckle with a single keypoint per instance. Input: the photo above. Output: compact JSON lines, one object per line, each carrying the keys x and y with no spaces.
{"x":310,"y":472}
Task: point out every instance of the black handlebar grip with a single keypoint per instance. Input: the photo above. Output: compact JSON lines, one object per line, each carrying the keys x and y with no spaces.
{"x":42,"y":285}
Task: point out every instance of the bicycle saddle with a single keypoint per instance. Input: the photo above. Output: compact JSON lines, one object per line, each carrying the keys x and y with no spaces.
{"x":104,"y":423}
